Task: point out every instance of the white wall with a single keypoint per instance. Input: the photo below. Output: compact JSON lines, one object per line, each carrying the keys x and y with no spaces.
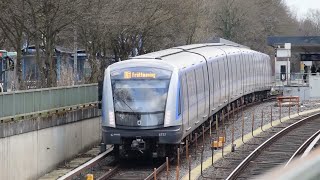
{"x":31,"y":155}
{"x":314,"y":82}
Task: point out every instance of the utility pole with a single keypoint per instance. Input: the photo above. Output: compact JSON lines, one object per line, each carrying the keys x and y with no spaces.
{"x":75,"y":57}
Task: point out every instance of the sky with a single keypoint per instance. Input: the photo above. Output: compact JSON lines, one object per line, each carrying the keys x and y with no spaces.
{"x":300,"y":7}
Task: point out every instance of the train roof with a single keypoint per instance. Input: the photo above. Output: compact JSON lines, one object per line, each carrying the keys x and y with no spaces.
{"x":185,"y":56}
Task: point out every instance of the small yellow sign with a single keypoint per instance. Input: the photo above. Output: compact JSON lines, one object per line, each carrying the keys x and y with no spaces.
{"x":127,"y":75}
{"x":130,"y":75}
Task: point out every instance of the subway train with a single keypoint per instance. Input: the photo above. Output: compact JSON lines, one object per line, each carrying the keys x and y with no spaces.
{"x":152,"y":102}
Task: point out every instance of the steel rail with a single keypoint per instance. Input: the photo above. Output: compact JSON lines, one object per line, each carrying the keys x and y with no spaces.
{"x":86,"y":165}
{"x":158,"y":170}
{"x":235,"y":173}
{"x":303,"y":147}
{"x":311,"y":146}
{"x":110,"y":173}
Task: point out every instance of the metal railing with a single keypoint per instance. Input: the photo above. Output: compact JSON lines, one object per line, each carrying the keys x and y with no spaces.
{"x":31,"y":101}
{"x":301,"y":79}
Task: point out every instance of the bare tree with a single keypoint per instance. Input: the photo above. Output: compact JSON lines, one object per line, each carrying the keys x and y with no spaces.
{"x":12,"y":26}
{"x":47,"y":18}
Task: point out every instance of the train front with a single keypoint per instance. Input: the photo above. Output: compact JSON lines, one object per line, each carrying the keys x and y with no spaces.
{"x":139,"y":109}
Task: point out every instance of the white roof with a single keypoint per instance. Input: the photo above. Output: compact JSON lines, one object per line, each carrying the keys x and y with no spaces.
{"x":184,"y":56}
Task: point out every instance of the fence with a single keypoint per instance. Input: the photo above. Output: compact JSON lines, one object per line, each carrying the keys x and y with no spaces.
{"x":301,"y":79}
{"x":37,"y":100}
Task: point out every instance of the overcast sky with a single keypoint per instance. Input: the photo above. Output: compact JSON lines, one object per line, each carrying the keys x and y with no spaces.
{"x":300,"y":7}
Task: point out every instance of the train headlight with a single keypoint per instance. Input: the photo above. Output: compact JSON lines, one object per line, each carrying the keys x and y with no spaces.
{"x":112,"y":121}
{"x":167,"y":118}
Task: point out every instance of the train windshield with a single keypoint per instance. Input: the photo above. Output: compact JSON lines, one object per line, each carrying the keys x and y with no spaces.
{"x":140,"y":101}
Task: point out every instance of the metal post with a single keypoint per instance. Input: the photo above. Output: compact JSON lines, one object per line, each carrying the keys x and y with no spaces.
{"x":203,"y":135}
{"x":280,"y":112}
{"x":261,"y":120}
{"x":222,"y":150}
{"x":187,"y":149}
{"x":178,"y":151}
{"x":217,"y":124}
{"x":167,"y":162}
{"x":212,"y":152}
{"x":232,"y":136}
{"x":271,"y":116}
{"x":210,"y":130}
{"x":289,"y":107}
{"x":177,"y":173}
{"x":196,"y":145}
{"x":155,"y":173}
{"x":202,"y":148}
{"x":298,"y":107}
{"x":189,"y":166}
{"x":288,"y":71}
{"x":252,"y":123}
{"x":242,"y":127}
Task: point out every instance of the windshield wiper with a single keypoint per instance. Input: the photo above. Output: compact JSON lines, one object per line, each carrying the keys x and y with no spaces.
{"x":135,"y":113}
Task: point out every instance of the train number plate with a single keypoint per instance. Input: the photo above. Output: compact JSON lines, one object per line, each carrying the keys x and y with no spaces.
{"x":162,"y":134}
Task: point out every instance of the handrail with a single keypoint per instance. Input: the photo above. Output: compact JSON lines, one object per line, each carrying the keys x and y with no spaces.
{"x":30,"y":101}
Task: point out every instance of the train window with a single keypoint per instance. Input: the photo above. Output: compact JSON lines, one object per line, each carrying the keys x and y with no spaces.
{"x":132,"y":103}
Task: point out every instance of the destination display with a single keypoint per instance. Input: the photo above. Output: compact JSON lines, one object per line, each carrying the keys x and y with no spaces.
{"x":130,"y":75}
{"x":141,"y":73}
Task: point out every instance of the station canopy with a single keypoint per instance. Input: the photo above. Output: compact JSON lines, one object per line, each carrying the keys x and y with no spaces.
{"x":307,"y":46}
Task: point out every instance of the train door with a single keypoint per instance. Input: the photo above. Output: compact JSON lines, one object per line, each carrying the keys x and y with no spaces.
{"x":242,"y":73}
{"x":211,"y":84}
{"x":228,"y":73}
{"x":217,"y":81}
{"x":260,"y":71}
{"x":192,"y":96}
{"x":237,"y":75}
{"x":222,"y":73}
{"x":251,"y":73}
{"x":231,"y":72}
{"x":200,"y":92}
{"x":244,"y":67}
{"x":185,"y":97}
{"x":206,"y":91}
{"x":234,"y":75}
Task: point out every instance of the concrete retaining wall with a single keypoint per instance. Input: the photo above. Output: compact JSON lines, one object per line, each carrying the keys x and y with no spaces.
{"x":30,"y":155}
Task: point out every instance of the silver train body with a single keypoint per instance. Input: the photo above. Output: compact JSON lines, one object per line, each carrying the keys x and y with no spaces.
{"x":154,"y":101}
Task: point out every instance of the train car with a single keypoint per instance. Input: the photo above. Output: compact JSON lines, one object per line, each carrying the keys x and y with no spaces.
{"x":152,"y":102}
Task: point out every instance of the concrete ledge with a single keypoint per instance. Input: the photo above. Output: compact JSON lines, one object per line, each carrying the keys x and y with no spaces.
{"x":32,"y":148}
{"x":12,"y":128}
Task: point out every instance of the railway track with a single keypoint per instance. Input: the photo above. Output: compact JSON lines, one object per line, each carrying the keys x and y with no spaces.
{"x":135,"y":170}
{"x":115,"y":170}
{"x":306,"y":147}
{"x":279,"y":148}
{"x":79,"y":170}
